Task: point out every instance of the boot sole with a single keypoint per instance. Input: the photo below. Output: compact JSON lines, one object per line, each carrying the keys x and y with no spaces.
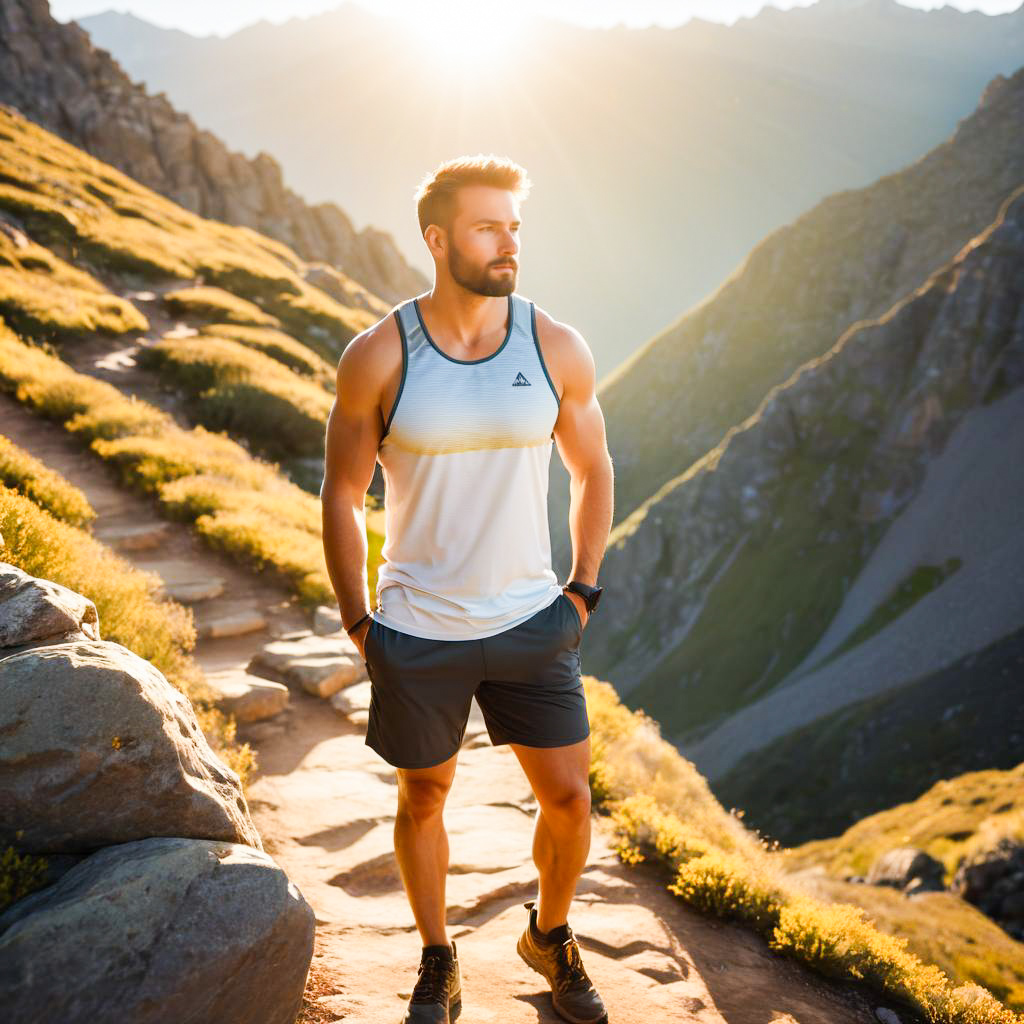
{"x":561,"y":1013}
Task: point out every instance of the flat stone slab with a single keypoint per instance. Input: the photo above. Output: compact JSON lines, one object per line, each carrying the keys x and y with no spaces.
{"x":352,"y":698}
{"x":319,"y":665}
{"x":327,"y":620}
{"x":231,"y":624}
{"x":135,"y":537}
{"x":249,"y":698}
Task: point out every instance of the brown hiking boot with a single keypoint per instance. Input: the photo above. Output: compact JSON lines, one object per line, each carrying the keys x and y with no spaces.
{"x":558,"y":959}
{"x":437,"y":995}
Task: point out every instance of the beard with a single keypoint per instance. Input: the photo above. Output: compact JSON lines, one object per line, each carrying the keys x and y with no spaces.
{"x":480,"y":281}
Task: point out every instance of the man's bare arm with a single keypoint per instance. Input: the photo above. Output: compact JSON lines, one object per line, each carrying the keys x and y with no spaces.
{"x":580,"y":437}
{"x":354,"y":431}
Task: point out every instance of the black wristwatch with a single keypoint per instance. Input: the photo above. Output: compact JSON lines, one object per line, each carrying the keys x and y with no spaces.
{"x":590,"y":595}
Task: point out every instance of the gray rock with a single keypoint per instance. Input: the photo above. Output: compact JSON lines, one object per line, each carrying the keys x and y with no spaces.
{"x":247,"y":697}
{"x":99,"y":748}
{"x":327,"y":620}
{"x":907,"y":868}
{"x":35,"y":611}
{"x":993,"y":880}
{"x":159,"y":930}
{"x":352,"y":698}
{"x":320,"y":665}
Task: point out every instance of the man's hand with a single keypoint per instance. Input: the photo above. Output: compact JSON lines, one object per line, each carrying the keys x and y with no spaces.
{"x":581,"y":605}
{"x":359,"y":637}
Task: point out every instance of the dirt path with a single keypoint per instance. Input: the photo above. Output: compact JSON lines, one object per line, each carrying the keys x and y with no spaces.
{"x":324,"y":803}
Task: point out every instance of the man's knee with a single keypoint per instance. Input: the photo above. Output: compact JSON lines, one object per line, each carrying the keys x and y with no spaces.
{"x":568,"y":805}
{"x":422,"y":796}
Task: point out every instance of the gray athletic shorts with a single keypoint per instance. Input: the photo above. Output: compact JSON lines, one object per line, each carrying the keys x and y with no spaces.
{"x":526,"y":680}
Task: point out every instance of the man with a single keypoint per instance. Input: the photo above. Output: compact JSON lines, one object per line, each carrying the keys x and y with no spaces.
{"x":459,"y":394}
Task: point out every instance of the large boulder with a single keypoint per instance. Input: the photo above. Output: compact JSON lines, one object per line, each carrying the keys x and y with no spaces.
{"x":35,"y":611}
{"x":99,"y":748}
{"x":159,"y":930}
{"x":907,"y":868}
{"x":993,"y":880}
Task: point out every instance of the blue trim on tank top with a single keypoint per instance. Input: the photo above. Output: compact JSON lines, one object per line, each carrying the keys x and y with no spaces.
{"x":540,"y":355}
{"x":467,"y":362}
{"x":405,"y":368}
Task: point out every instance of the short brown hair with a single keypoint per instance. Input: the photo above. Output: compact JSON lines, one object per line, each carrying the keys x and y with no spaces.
{"x":435,"y":197}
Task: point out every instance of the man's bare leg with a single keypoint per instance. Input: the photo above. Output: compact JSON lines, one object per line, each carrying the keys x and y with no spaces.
{"x":421,"y":844}
{"x":559,"y":777}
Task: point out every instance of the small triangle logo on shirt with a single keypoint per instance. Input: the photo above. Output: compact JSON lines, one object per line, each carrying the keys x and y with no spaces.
{"x":520,"y":380}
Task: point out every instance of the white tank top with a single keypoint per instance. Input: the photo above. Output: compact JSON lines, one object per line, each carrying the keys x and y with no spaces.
{"x":465,"y":455}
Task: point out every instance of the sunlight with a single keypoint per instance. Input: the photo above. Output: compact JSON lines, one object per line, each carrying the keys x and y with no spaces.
{"x":467,"y":35}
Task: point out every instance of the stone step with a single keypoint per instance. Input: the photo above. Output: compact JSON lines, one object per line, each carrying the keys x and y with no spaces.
{"x":320,"y":665}
{"x":134,"y":536}
{"x":249,"y":698}
{"x":231,"y":624}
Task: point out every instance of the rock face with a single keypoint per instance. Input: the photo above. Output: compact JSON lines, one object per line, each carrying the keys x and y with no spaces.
{"x":993,"y":880}
{"x":99,"y":748}
{"x":722,"y":582}
{"x":54,"y":75}
{"x":163,"y":930}
{"x":34,"y":611}
{"x":157,"y":897}
{"x":909,"y":869}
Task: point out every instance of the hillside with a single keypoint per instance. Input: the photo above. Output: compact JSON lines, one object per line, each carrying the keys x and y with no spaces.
{"x":55,"y":76}
{"x":850,"y":257}
{"x":126,"y":324}
{"x":884,"y":475}
{"x":660,"y":156}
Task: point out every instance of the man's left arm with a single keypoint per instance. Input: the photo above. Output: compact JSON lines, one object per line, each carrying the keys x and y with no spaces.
{"x":580,"y":437}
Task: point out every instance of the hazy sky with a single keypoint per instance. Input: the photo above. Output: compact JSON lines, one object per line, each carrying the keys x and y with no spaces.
{"x":203,"y":17}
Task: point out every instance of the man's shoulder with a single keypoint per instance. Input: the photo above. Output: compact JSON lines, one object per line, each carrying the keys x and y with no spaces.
{"x":555,"y":332}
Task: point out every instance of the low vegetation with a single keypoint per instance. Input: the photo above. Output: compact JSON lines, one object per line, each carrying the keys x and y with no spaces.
{"x":237,"y":503}
{"x":81,"y":211}
{"x":663,"y":812}
{"x":230,"y":386}
{"x":48,"y":489}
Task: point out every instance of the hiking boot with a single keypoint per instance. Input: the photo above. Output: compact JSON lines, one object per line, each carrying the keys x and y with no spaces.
{"x":557,"y":957}
{"x":437,"y":995}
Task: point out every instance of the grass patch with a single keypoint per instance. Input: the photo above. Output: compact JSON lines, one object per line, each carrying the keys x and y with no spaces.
{"x":209,"y":303}
{"x":232,"y":387}
{"x":92,"y":214}
{"x":280,"y":533}
{"x":25,"y":473}
{"x":918,"y":584}
{"x":280,"y":346}
{"x":42,"y":295}
{"x":663,"y":812}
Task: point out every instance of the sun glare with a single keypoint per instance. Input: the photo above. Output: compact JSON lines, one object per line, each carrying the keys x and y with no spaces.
{"x":466,"y":34}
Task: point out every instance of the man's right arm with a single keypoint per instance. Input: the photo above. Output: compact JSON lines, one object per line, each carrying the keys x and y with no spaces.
{"x":354,"y":431}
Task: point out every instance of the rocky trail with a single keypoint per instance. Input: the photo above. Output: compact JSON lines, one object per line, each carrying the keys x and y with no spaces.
{"x":324,"y":804}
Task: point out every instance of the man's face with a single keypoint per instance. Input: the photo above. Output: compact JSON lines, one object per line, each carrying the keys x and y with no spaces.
{"x":483,"y":241}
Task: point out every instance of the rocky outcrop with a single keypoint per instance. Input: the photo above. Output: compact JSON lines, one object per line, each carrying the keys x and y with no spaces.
{"x":993,"y":880}
{"x":54,"y":75}
{"x":164,"y":930}
{"x":158,"y":897}
{"x":99,"y":748}
{"x":909,"y":869}
{"x":849,"y":258}
{"x":753,"y":548}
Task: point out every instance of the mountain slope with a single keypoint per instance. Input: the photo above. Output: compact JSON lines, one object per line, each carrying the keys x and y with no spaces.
{"x":54,"y":75}
{"x":660,"y":157}
{"x":726,"y":578}
{"x":848,"y":258}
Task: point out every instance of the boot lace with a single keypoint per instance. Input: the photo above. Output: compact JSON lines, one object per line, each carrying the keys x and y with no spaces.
{"x":432,"y":981}
{"x":571,"y":973}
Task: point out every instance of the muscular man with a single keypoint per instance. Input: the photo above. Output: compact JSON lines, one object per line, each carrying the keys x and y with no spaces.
{"x":459,"y":393}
